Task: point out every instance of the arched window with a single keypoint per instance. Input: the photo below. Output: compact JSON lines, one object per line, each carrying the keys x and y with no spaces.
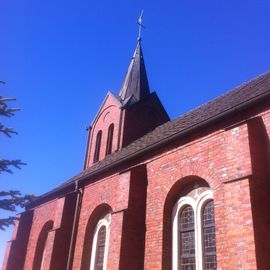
{"x":100,"y":244}
{"x":98,"y":144}
{"x":41,"y":246}
{"x":194,"y":244}
{"x":109,"y":139}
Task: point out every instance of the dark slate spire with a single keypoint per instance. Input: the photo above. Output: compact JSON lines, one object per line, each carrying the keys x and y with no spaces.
{"x":135,"y":86}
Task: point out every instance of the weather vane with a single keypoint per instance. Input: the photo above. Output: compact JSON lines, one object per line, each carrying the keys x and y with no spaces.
{"x":140,"y":26}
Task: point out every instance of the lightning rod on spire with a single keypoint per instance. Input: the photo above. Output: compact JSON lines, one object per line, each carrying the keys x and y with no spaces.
{"x":140,"y":26}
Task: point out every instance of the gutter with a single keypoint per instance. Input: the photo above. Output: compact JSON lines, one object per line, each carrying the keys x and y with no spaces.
{"x":74,"y":225}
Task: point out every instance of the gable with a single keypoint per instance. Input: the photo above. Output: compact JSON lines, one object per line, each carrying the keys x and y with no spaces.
{"x":108,"y":115}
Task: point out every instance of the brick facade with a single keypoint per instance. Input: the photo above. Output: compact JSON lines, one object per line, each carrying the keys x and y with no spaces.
{"x":230,"y":156}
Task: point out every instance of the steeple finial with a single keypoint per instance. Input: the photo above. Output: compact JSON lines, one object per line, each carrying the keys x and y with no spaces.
{"x":140,"y":26}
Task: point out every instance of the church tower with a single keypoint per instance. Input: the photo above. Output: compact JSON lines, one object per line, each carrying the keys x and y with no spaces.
{"x":125,"y":117}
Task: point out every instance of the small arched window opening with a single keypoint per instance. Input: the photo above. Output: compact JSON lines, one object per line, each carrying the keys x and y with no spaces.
{"x":109,"y":140}
{"x":41,"y":246}
{"x":98,"y":144}
{"x":100,"y":244}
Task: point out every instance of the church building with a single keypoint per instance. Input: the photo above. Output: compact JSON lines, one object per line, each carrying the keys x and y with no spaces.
{"x":158,"y":194}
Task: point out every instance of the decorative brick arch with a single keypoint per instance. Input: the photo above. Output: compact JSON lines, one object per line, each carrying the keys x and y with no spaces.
{"x":103,"y":115}
{"x":197,"y":170}
{"x":212,"y":179}
{"x":178,"y":188}
{"x":41,"y":244}
{"x":98,"y":213}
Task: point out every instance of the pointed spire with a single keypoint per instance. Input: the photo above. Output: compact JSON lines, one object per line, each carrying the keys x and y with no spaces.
{"x":135,"y":86}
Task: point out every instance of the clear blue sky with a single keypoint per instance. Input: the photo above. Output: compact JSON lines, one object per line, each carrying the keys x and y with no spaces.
{"x":59,"y":59}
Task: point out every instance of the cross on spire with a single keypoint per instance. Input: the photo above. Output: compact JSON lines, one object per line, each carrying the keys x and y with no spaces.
{"x":140,"y":26}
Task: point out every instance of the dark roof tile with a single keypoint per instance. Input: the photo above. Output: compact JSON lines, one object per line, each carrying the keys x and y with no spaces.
{"x":245,"y":94}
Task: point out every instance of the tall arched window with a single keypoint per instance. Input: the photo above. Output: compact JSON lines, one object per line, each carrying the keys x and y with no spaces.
{"x":109,"y":139}
{"x":100,"y":244}
{"x":98,"y":144}
{"x":194,"y":244}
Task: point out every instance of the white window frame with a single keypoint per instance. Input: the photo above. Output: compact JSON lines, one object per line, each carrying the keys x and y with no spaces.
{"x":197,"y":205}
{"x":106,"y":221}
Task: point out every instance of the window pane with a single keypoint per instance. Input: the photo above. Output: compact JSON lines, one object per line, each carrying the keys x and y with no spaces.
{"x":188,"y":264}
{"x":186,"y":239}
{"x":210,"y":262}
{"x":187,"y":219}
{"x":100,"y":249}
{"x":209,"y":238}
{"x":208,"y":214}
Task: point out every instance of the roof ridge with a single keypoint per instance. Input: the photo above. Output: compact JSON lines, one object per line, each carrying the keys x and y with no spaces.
{"x":224,"y":94}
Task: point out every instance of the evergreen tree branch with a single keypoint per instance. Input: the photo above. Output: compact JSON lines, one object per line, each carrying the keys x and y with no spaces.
{"x":7,"y":131}
{"x":10,"y":200}
{"x":5,"y":165}
{"x":6,"y":222}
{"x":13,"y":199}
{"x":4,"y":109}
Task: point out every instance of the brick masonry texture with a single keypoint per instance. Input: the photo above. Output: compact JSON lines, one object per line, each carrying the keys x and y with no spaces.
{"x":109,"y":113}
{"x":230,"y":156}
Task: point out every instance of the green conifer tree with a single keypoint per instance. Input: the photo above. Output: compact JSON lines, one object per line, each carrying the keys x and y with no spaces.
{"x":10,"y":200}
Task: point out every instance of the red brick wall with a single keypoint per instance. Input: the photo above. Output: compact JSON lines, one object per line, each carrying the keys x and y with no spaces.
{"x":218,"y":158}
{"x":43,"y":243}
{"x":63,"y":234}
{"x":260,"y":187}
{"x":108,"y":194}
{"x":235,"y":163}
{"x":124,"y":196}
{"x":16,"y":250}
{"x":42,"y":215}
{"x":52,"y":220}
{"x":109,"y":113}
{"x":133,"y":231}
{"x":235,"y":233}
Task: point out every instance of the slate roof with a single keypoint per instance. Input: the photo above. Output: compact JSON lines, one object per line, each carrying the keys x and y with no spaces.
{"x":242,"y":97}
{"x":135,"y":86}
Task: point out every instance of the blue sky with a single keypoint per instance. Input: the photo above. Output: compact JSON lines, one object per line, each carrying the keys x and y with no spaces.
{"x":59,"y":59}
